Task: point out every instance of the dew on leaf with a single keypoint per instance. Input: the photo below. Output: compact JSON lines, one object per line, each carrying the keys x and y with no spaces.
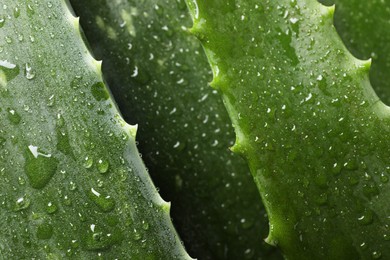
{"x":51,"y":208}
{"x":40,"y":167}
{"x":366,"y":217}
{"x":13,"y":116}
{"x":104,"y":202}
{"x":103,"y":165}
{"x":29,"y":71}
{"x":97,"y":239}
{"x":145,"y":225}
{"x":45,"y":231}
{"x":88,"y":162}
{"x":16,"y":12}
{"x":376,"y":255}
{"x":22,"y":203}
{"x":8,"y":71}
{"x":99,"y":92}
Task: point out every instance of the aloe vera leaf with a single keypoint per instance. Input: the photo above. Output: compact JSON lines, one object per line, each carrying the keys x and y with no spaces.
{"x":158,"y":74}
{"x":364,"y":28}
{"x":72,"y":182}
{"x":313,"y":131}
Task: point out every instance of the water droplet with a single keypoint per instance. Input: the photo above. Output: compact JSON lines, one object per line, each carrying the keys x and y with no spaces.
{"x":103,"y":166}
{"x":16,"y":12}
{"x":8,"y":39}
{"x":136,"y":235}
{"x":13,"y":116}
{"x":21,"y":181}
{"x":99,"y":91}
{"x":2,"y":22}
{"x":384,"y":178}
{"x":39,"y":166}
{"x":45,"y":231}
{"x":145,"y":225}
{"x":30,"y":10}
{"x":29,"y":72}
{"x":366,"y":217}
{"x":88,"y":162}
{"x":22,"y":203}
{"x":8,"y":71}
{"x":51,"y":208}
{"x":63,"y":142}
{"x":98,"y":239}
{"x":376,"y":255}
{"x":72,"y":186}
{"x":104,"y":202}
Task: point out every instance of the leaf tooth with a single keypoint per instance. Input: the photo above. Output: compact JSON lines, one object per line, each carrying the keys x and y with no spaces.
{"x":98,"y":65}
{"x":328,"y":11}
{"x":166,"y":207}
{"x":198,"y":30}
{"x":238,"y":147}
{"x":271,"y":240}
{"x":218,"y":81}
{"x":131,"y":129}
{"x":364,"y":65}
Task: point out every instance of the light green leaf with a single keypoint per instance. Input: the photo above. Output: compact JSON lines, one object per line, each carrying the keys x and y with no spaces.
{"x":72,"y":183}
{"x":315,"y":134}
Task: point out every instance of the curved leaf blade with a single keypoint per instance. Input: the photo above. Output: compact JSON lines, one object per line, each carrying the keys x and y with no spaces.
{"x":159,"y":75}
{"x":307,"y":120}
{"x":72,"y":183}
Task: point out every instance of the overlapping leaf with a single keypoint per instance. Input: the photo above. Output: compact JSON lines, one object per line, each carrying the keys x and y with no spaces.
{"x":315,"y":134}
{"x":159,"y":75}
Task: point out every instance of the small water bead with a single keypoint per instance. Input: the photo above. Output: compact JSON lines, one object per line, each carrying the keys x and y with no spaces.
{"x":363,"y":245}
{"x":16,"y":12}
{"x":30,"y":10}
{"x":97,"y":239}
{"x":67,"y":201}
{"x":51,"y":208}
{"x":40,"y":167}
{"x":13,"y":116}
{"x":88,"y":162}
{"x":72,"y":186}
{"x":104,"y":202}
{"x":366,"y":217}
{"x":384,"y":178}
{"x":21,"y":181}
{"x":8,"y":39}
{"x":103,"y":166}
{"x":136,"y":235}
{"x":45,"y":231}
{"x":376,"y":255}
{"x":99,"y":91}
{"x":2,"y":22}
{"x":22,"y":203}
{"x":145,"y":225}
{"x":29,"y":72}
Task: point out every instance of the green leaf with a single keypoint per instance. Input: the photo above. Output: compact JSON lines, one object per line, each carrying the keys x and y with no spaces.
{"x":72,"y":182}
{"x":159,"y":75}
{"x":315,"y":134}
{"x":364,"y":27}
